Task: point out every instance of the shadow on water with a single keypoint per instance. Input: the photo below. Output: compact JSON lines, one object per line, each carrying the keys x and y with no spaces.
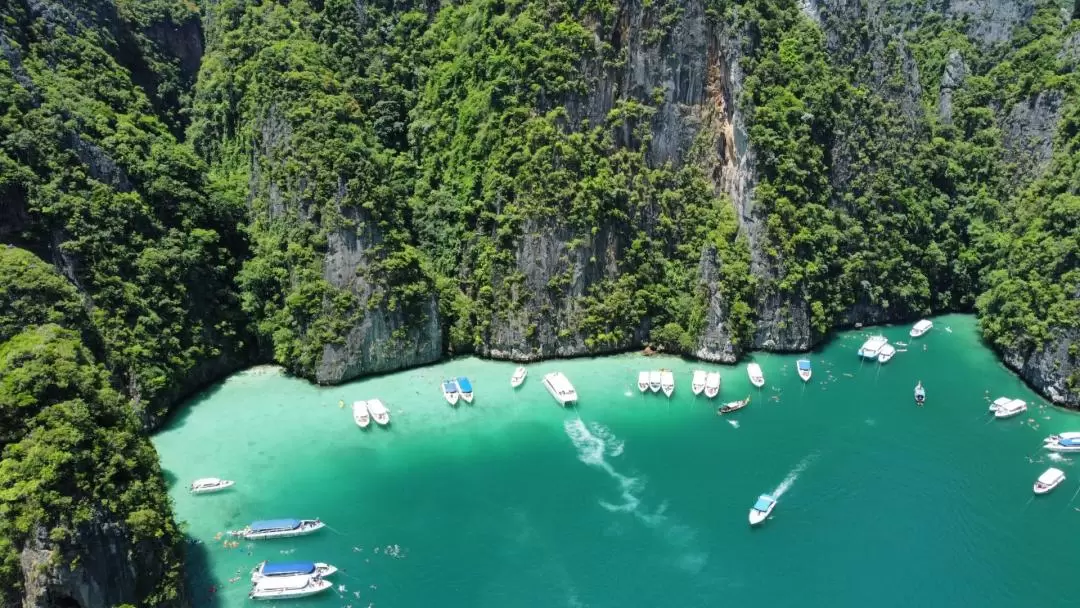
{"x":200,"y":578}
{"x":179,"y":415}
{"x":169,"y":477}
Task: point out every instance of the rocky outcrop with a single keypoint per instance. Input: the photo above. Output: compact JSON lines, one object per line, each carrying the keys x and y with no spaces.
{"x":951,"y":80}
{"x":715,"y":343}
{"x":1028,"y":134}
{"x":1053,"y":368}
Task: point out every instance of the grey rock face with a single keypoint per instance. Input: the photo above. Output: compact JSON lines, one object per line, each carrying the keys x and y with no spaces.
{"x":1047,"y":368}
{"x":952,"y":79}
{"x":1029,"y":130}
{"x":715,"y":342}
{"x":991,"y":21}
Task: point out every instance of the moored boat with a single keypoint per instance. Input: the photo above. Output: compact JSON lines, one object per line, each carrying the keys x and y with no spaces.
{"x":1013,"y":408}
{"x":762,"y":509}
{"x":279,"y":528}
{"x":560,"y":388}
{"x":712,"y":384}
{"x":872,"y":347}
{"x":207,"y":485}
{"x":1063,"y":442}
{"x":450,"y":391}
{"x":887,"y":351}
{"x":268,"y":568}
{"x":654,"y":380}
{"x":519,"y":377}
{"x":288,"y":587}
{"x":1000,"y":401}
{"x":643,"y":381}
{"x":756,"y":377}
{"x":733,"y":406}
{"x":697,"y":383}
{"x":921,"y":327}
{"x":803,"y":367}
{"x":360,"y":414}
{"x":1050,"y":479}
{"x":465,"y":388}
{"x":920,"y":393}
{"x":379,"y":412}
{"x":667,"y":381}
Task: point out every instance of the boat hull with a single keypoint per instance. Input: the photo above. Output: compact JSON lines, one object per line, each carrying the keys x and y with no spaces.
{"x":1003,"y":414}
{"x":712,"y":392}
{"x":451,"y":398}
{"x":805,"y":376}
{"x":759,"y":517}
{"x":518,"y":378}
{"x":224,"y":486}
{"x":1041,"y":489}
{"x":313,"y":589}
{"x":303,"y":530}
{"x":321,"y":569}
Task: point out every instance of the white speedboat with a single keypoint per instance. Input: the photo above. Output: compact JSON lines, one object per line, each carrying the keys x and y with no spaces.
{"x":207,"y":485}
{"x":288,"y":587}
{"x":803,"y":367}
{"x":643,"y":381}
{"x":450,"y":391}
{"x":920,"y":393}
{"x":712,"y":384}
{"x":921,"y":328}
{"x":1013,"y":408}
{"x":667,"y":381}
{"x":887,"y":351}
{"x":269,"y":568}
{"x":733,"y":406}
{"x":1000,"y":401}
{"x":654,"y":380}
{"x":465,"y":388}
{"x":1050,"y":479}
{"x":756,"y":377}
{"x":697,"y":384}
{"x":1063,"y":442}
{"x":279,"y":528}
{"x":360,"y":414}
{"x":519,"y":377}
{"x":761,"y":509}
{"x":872,"y":347}
{"x":379,"y":412}
{"x":560,"y":388}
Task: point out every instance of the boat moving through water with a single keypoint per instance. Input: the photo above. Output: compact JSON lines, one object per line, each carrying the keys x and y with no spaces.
{"x":560,"y":388}
{"x":465,"y":388}
{"x":733,"y":406}
{"x":519,"y":377}
{"x":1050,"y":479}
{"x":667,"y":381}
{"x":288,"y":587}
{"x":761,"y":509}
{"x":208,"y":485}
{"x":279,"y":528}
{"x":920,"y":393}
{"x":450,"y":391}
{"x":360,"y":414}
{"x":712,"y":384}
{"x":697,"y":383}
{"x":756,"y":377}
{"x":803,"y":367}
{"x":269,"y":568}
{"x":921,"y":328}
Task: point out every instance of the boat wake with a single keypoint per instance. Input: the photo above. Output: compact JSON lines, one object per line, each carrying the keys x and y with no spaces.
{"x":734,"y":423}
{"x":1055,"y":457}
{"x":792,"y":476}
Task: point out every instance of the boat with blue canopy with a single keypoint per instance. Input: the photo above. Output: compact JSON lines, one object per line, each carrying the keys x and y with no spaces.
{"x":269,"y":568}
{"x":465,"y":388}
{"x":450,"y":391}
{"x":279,"y":528}
{"x":803,"y":367}
{"x":761,"y":509}
{"x":1063,"y":442}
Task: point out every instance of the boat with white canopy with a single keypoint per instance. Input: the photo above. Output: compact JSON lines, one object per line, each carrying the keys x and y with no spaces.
{"x":268,"y":568}
{"x":1050,"y":479}
{"x":712,"y":384}
{"x":360,"y":414}
{"x":1000,"y":401}
{"x":886,"y":353}
{"x":279,"y":528}
{"x":288,"y":587}
{"x":756,"y":377}
{"x":872,"y":347}
{"x":560,"y":388}
{"x":1013,"y":408}
{"x":208,"y":485}
{"x":921,"y":327}
{"x":379,"y":412}
{"x":519,"y":377}
{"x":697,"y":383}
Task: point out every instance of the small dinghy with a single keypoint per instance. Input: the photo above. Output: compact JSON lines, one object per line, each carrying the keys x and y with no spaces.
{"x":667,"y":381}
{"x":1049,"y":480}
{"x":360,"y":414}
{"x":519,"y":377}
{"x":465,"y":388}
{"x":712,"y":384}
{"x":697,"y":384}
{"x":756,"y":377}
{"x":803,"y":367}
{"x":733,"y":406}
{"x":450,"y":391}
{"x":379,"y":412}
{"x":761,"y":509}
{"x":269,"y":568}
{"x":1014,"y":407}
{"x":643,"y":381}
{"x":208,"y":485}
{"x":920,"y":393}
{"x":288,"y":587}
{"x":921,"y":328}
{"x":654,"y":380}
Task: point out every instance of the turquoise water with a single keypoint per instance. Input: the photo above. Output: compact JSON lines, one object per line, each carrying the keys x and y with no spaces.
{"x":638,"y":500}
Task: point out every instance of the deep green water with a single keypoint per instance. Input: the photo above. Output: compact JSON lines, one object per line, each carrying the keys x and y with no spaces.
{"x":637,"y":500}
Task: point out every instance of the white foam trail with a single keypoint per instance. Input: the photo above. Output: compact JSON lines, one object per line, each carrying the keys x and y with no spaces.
{"x":591,"y":450}
{"x":1055,"y":457}
{"x":734,"y":423}
{"x":792,"y":476}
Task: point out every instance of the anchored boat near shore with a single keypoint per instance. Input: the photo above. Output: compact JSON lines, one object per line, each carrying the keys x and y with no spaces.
{"x":279,"y":528}
{"x":288,"y":587}
{"x":756,"y":377}
{"x":519,"y":377}
{"x":803,"y":367}
{"x":697,"y":383}
{"x":268,"y":568}
{"x":208,"y":485}
{"x":560,"y":388}
{"x":712,"y":384}
{"x":450,"y":391}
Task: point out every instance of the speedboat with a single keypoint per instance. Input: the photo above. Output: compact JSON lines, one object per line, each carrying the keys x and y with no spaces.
{"x":667,"y":381}
{"x":712,"y":384}
{"x":269,"y":568}
{"x":1000,"y":401}
{"x":465,"y":388}
{"x":279,"y":528}
{"x":886,"y":353}
{"x":733,"y":406}
{"x":643,"y":381}
{"x":207,"y":485}
{"x":872,"y":347}
{"x":921,"y":328}
{"x":756,"y":377}
{"x":379,"y":412}
{"x":654,"y":380}
{"x":360,"y":414}
{"x":920,"y":394}
{"x":450,"y":391}
{"x":803,"y":367}
{"x":288,"y":587}
{"x":560,"y":388}
{"x":1050,"y":479}
{"x":519,"y":377}
{"x":762,"y":508}
{"x":1063,"y":442}
{"x":1010,"y":409}
{"x":697,"y":384}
